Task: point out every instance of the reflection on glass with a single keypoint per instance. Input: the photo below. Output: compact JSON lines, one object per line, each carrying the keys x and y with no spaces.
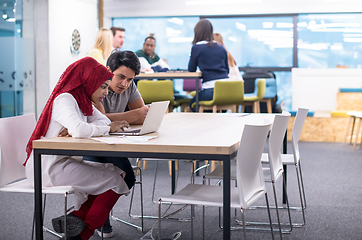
{"x":173,"y":36}
{"x":258,"y":41}
{"x":329,"y":40}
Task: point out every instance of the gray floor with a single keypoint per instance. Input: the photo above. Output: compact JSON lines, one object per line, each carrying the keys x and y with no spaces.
{"x":333,"y":189}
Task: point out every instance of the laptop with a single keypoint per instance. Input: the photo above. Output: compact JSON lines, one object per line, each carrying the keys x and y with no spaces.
{"x":152,"y":121}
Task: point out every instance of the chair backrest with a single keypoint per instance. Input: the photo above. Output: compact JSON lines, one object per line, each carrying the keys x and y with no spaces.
{"x":270,"y":88}
{"x":228,"y":92}
{"x":249,"y":172}
{"x":189,"y":85}
{"x":297,"y":130}
{"x":261,"y":85}
{"x":15,"y":134}
{"x":277,"y":134}
{"x":155,"y":91}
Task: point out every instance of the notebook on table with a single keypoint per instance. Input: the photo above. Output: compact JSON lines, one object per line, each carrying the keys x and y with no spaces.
{"x":152,"y":121}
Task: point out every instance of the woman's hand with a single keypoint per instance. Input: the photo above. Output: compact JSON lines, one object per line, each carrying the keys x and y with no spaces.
{"x":64,"y":133}
{"x":118,"y":125}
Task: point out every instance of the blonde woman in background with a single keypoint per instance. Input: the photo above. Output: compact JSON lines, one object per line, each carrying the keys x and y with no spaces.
{"x":103,"y":46}
{"x":234,"y":73}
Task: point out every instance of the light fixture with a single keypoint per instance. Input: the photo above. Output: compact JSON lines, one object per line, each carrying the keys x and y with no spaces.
{"x":5,"y":16}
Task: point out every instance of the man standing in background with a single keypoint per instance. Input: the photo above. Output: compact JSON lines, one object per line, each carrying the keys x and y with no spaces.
{"x":118,"y":37}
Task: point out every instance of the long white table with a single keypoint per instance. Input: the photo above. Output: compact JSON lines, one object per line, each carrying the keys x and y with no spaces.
{"x":198,"y":136}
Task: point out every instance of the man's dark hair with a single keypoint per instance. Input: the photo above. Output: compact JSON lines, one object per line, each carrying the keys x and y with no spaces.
{"x":124,"y":58}
{"x":115,"y":29}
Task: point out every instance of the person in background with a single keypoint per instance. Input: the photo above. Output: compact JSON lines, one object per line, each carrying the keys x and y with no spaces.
{"x":118,"y":37}
{"x":97,"y":186}
{"x":234,"y":73}
{"x":103,"y":46}
{"x":210,"y":57}
{"x":150,"y":61}
{"x":122,"y":93}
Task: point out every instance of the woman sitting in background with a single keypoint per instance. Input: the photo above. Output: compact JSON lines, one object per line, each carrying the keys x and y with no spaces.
{"x":234,"y":73}
{"x":103,"y":46}
{"x":97,"y":186}
{"x":210,"y":57}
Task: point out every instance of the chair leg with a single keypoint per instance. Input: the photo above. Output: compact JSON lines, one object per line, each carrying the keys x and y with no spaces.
{"x":287,"y":201}
{"x":203,"y":222}
{"x":233,"y":109}
{"x":277,"y":210}
{"x":192,"y":222}
{"x":268,"y":105}
{"x":357,"y":133}
{"x":270,"y":221}
{"x":214,"y":108}
{"x":302,"y":184}
{"x":347,"y":130}
{"x":243,"y":219}
{"x":242,"y":109}
{"x":170,"y":167}
{"x":144,"y":164}
{"x":154,"y":183}
{"x":159,"y":219}
{"x":300,"y":195}
{"x":353,"y":124}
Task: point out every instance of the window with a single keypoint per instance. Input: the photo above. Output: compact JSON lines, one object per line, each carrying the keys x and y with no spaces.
{"x":173,"y":36}
{"x":329,"y":40}
{"x":257,"y":41}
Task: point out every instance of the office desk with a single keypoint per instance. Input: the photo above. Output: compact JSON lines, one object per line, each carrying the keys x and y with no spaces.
{"x":175,"y":75}
{"x":197,"y":136}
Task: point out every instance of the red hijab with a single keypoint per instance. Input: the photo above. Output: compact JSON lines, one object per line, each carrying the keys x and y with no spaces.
{"x":81,"y":79}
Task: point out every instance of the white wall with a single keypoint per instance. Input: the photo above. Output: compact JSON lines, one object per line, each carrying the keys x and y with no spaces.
{"x":126,"y":8}
{"x":64,"y":17}
{"x":317,"y":89}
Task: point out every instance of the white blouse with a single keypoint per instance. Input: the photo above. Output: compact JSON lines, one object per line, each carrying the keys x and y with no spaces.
{"x":234,"y":74}
{"x":85,"y":177}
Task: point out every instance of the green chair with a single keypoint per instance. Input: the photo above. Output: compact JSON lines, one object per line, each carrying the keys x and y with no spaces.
{"x":227,"y":95}
{"x":253,"y":99}
{"x":155,"y":91}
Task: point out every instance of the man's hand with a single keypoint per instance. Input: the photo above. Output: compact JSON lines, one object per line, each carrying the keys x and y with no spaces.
{"x":64,"y":133}
{"x":142,"y":112}
{"x":118,"y":125}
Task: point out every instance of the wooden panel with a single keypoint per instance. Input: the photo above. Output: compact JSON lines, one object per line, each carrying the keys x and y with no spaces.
{"x":317,"y":129}
{"x":347,"y":101}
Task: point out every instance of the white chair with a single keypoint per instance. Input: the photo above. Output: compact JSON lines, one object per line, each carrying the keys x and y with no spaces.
{"x":249,"y":175}
{"x":15,"y":134}
{"x":275,"y":169}
{"x":294,"y":159}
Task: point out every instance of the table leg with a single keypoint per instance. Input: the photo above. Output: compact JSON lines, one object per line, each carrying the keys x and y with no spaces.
{"x":226,"y":197}
{"x":38,"y":196}
{"x":285,"y":150}
{"x":173,"y":177}
{"x":354,"y":121}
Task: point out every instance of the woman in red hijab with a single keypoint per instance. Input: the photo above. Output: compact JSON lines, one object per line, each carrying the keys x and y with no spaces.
{"x":97,"y":186}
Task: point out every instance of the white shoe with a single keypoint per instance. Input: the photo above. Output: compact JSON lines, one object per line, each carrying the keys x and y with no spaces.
{"x":105,"y":235}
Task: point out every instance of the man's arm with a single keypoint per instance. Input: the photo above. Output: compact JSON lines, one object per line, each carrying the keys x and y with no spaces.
{"x":136,"y":114}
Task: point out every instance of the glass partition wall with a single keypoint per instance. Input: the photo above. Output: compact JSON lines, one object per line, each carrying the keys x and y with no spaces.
{"x":17,"y":64}
{"x":274,"y":43}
